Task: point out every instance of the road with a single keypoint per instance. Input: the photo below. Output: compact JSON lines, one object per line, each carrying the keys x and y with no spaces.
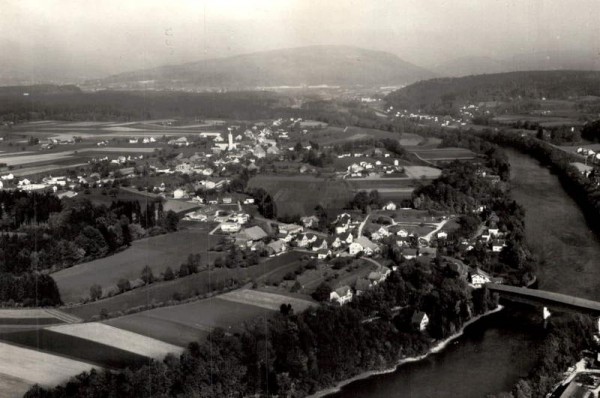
{"x":362,"y":225}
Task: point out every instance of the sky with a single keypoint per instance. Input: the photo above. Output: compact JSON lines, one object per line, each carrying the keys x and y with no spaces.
{"x":82,"y":38}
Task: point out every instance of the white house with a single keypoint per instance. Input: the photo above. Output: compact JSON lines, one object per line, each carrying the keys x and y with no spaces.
{"x":442,"y":235}
{"x":341,"y":295}
{"x":355,"y":248}
{"x":230,"y":227}
{"x":178,"y":193}
{"x":402,"y":233}
{"x":389,"y":206}
{"x":478,"y":278}
{"x":306,"y":239}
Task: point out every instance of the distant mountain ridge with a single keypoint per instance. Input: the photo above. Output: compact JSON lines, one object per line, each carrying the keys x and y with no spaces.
{"x":302,"y":66}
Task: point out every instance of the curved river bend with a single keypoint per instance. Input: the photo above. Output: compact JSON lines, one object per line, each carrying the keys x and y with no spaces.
{"x":493,"y":353}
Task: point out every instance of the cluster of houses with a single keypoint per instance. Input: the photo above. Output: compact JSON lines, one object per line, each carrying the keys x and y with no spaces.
{"x":376,"y":168}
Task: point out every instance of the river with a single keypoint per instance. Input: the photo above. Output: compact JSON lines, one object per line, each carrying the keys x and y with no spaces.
{"x":493,"y":353}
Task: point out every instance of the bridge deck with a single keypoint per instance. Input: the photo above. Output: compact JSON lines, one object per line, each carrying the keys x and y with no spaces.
{"x":544,"y":295}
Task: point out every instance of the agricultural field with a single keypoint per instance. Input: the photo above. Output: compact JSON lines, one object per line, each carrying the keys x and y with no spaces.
{"x":32,"y":318}
{"x":177,"y":324}
{"x":27,"y":367}
{"x":158,"y":252}
{"x":422,"y":172}
{"x":193,"y":285}
{"x":269,"y":301}
{"x":118,"y":338}
{"x":445,"y":154}
{"x":73,"y":347}
{"x":299,"y":195}
{"x":337,"y":135}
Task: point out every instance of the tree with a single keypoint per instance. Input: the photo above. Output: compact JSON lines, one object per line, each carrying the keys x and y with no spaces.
{"x":147,"y":275}
{"x":169,"y":275}
{"x":322,"y":292}
{"x":123,"y":285}
{"x":286,"y":309}
{"x":95,"y":292}
{"x":171,"y":220}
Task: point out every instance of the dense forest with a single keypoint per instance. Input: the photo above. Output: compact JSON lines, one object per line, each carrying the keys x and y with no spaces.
{"x":446,"y":95}
{"x":41,"y":234}
{"x":70,"y":104}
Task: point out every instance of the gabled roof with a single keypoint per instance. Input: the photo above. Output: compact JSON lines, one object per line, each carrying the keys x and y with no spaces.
{"x":342,"y":291}
{"x":418,"y":317}
{"x":253,"y":233}
{"x":365,"y":242}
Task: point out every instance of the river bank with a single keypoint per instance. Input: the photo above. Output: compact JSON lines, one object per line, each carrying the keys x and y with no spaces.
{"x":437,"y":347}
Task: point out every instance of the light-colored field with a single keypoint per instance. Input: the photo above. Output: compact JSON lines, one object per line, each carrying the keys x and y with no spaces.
{"x":22,"y":367}
{"x":118,"y":338}
{"x":54,"y":156}
{"x":24,"y":313}
{"x":422,"y":171}
{"x":13,"y":386}
{"x":445,"y":153}
{"x":26,"y":171}
{"x":265,"y":300}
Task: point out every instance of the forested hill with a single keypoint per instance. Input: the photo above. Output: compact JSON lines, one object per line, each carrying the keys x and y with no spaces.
{"x":313,"y":65}
{"x":438,"y":95}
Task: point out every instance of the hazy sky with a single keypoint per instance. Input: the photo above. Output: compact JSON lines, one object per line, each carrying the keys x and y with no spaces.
{"x":95,"y":38}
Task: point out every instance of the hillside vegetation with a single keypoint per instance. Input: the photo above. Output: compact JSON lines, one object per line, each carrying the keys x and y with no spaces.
{"x":443,"y":96}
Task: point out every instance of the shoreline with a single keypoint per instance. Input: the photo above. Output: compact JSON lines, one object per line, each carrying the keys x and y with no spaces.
{"x":437,"y":347}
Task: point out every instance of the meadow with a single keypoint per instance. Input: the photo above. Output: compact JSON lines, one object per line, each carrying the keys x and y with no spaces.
{"x":193,"y":285}
{"x":158,"y":252}
{"x":189,"y":322}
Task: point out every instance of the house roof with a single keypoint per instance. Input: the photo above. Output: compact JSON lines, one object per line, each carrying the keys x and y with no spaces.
{"x":418,"y":317}
{"x":342,"y":291}
{"x":365,"y":242}
{"x":277,"y":245}
{"x":253,"y":233}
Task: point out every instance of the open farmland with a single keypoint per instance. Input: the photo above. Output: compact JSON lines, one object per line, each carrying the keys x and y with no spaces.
{"x":200,"y":283}
{"x":13,"y":159}
{"x":28,"y":367}
{"x":299,"y":195}
{"x":73,"y":347}
{"x":193,"y":319}
{"x":445,"y":154}
{"x":118,"y":338}
{"x":158,"y":252}
{"x":270,"y":301}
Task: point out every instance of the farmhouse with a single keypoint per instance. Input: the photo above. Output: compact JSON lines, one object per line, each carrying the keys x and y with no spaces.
{"x":368,"y":247}
{"x":251,"y":234}
{"x":276,"y":247}
{"x":341,"y":295}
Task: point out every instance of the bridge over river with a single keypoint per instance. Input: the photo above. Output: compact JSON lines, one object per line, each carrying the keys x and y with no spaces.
{"x":546,"y":299}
